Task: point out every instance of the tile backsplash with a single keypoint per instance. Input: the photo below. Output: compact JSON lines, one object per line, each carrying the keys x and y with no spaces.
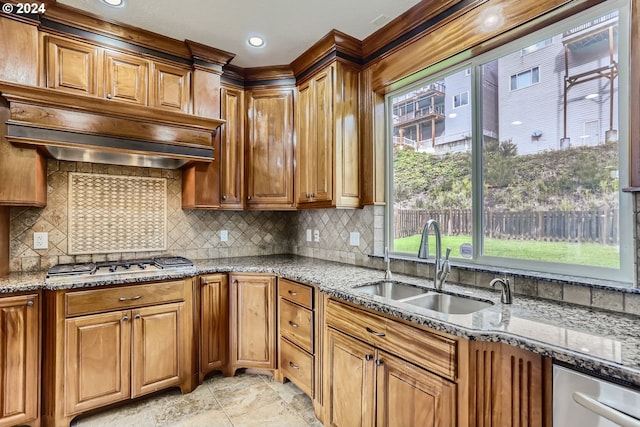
{"x":190,"y":233}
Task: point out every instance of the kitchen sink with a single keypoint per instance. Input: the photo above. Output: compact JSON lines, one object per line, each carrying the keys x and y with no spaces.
{"x":449,"y":304}
{"x":392,"y":289}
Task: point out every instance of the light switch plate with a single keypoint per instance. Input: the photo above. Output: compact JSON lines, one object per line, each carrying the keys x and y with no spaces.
{"x":354,"y":238}
{"x":41,"y":240}
{"x":224,"y":235}
{"x":316,"y":235}
{"x":309,"y":238}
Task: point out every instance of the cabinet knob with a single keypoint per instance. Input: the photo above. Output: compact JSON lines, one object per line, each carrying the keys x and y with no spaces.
{"x":368,"y":357}
{"x":248,"y":197}
{"x":293,"y":325}
{"x":379,"y":362}
{"x":294,"y":366}
{"x":29,"y":303}
{"x":125,"y":318}
{"x":137,"y":316}
{"x":224,"y":197}
{"x":109,"y":96}
{"x":372,"y":332}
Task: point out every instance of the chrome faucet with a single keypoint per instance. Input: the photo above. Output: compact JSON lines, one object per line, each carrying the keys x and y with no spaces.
{"x":387,"y":260}
{"x":442,"y":267}
{"x":505,"y":295}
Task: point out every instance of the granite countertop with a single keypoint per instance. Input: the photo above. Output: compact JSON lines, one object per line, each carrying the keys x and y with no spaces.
{"x":593,"y":340}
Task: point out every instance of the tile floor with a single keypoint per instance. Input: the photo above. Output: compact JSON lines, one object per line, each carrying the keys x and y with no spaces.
{"x":246,"y":400}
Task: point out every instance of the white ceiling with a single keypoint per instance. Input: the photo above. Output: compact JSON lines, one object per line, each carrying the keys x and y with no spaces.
{"x":289,"y":27}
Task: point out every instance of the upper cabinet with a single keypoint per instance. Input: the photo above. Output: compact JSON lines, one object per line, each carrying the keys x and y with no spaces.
{"x":269,"y":149}
{"x":327,"y":146}
{"x":232,"y":149}
{"x":88,"y":69}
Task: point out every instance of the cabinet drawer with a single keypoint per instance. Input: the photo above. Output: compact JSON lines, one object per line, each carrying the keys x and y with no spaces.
{"x":434,"y":352}
{"x":295,"y":292}
{"x":297,"y":365}
{"x":296,"y":324}
{"x":101,"y":300}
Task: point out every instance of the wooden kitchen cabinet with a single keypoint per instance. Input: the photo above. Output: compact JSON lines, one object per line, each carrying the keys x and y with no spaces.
{"x":269,"y":149}
{"x":253,"y":321}
{"x":214,"y":323}
{"x":71,"y":66}
{"x":232,"y":194}
{"x":328,"y":146}
{"x":20,"y":357}
{"x":126,"y":78}
{"x":391,"y":364}
{"x":106,"y":345}
{"x":170,"y":87}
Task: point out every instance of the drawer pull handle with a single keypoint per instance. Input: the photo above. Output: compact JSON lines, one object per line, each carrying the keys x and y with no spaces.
{"x":293,"y":365}
{"x":293,"y":294}
{"x":137,"y":297}
{"x":29,"y":303}
{"x":293,"y":325}
{"x":372,"y":332}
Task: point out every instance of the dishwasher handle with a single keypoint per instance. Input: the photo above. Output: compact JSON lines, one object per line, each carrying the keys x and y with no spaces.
{"x":605,"y":411}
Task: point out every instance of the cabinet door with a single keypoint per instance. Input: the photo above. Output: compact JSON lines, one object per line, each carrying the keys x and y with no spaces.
{"x":253,"y":313}
{"x":270,"y":148}
{"x":156,"y":355}
{"x":170,"y":87}
{"x":232,"y":149}
{"x":71,"y":66}
{"x":409,"y":396}
{"x":304,"y":134}
{"x":20,"y":358}
{"x":350,"y":380}
{"x":126,"y":77}
{"x":97,"y":360}
{"x":214,"y":321}
{"x":321,"y":143}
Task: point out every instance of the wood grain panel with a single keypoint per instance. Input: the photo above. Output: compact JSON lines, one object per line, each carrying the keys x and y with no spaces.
{"x":232,"y":149}
{"x":269,"y":155}
{"x":206,"y":94}
{"x":200,"y":185}
{"x":156,"y":348}
{"x":126,"y":78}
{"x":296,"y":292}
{"x":321,"y":144}
{"x":19,"y":47}
{"x":170,"y":87}
{"x":297,"y":366}
{"x":304,"y":148}
{"x":296,"y":324}
{"x":20,"y":359}
{"x":350,"y":398}
{"x":408,"y":396}
{"x":334,"y":41}
{"x":96,"y":360}
{"x":214,"y":323}
{"x":4,"y":240}
{"x":71,"y":66}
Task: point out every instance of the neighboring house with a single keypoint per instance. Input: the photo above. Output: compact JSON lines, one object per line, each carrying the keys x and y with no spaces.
{"x":577,"y":65}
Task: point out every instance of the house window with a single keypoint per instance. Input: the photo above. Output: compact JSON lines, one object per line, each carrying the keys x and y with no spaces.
{"x":552,"y":206}
{"x":536,"y":46}
{"x":525,"y":78}
{"x":461,"y":99}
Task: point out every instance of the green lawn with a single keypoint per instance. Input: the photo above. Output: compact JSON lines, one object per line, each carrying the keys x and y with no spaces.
{"x":572,"y":253}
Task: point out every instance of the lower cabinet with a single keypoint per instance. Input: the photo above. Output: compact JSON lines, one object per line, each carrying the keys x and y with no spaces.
{"x":111,"y":344}
{"x":370,"y":387}
{"x":20,"y":359}
{"x":253,"y":321}
{"x":214,"y":323}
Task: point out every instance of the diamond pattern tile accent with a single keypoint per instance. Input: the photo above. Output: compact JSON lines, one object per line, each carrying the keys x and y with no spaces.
{"x":111,"y":213}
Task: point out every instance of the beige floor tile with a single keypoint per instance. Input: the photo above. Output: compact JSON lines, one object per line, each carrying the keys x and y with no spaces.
{"x":246,"y":400}
{"x":277,"y":414}
{"x":238,"y":382}
{"x":132,"y":415}
{"x":176,"y":409}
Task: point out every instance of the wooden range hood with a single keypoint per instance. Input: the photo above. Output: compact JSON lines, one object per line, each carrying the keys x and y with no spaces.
{"x":79,"y":128}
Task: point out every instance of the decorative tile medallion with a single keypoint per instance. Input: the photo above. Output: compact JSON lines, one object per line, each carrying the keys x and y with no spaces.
{"x":109,"y":213}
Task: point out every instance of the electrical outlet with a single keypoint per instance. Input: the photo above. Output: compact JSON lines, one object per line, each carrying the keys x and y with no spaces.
{"x":309,"y":238}
{"x":316,"y":235}
{"x":224,"y":235}
{"x":354,"y":238}
{"x":41,"y":240}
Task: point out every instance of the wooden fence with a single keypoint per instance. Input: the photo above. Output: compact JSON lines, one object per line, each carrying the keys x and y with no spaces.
{"x":597,"y":226}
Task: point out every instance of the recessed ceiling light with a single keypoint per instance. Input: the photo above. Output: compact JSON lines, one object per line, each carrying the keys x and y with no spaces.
{"x":114,"y":3}
{"x":255,"y":41}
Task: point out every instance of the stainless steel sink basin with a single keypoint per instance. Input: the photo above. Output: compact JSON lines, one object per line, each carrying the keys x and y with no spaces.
{"x":449,"y":304}
{"x":392,"y":289}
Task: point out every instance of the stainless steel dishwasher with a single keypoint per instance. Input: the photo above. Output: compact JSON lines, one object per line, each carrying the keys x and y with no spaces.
{"x":580,"y":400}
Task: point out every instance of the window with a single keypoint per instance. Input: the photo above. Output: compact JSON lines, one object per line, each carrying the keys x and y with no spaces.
{"x":525,"y":78}
{"x":461,"y":99}
{"x":517,"y":180}
{"x":536,"y":46}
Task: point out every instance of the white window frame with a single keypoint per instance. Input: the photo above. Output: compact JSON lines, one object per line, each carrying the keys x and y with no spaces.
{"x":453,"y":99}
{"x":530,"y":71}
{"x":438,"y":71}
{"x":536,"y":46}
